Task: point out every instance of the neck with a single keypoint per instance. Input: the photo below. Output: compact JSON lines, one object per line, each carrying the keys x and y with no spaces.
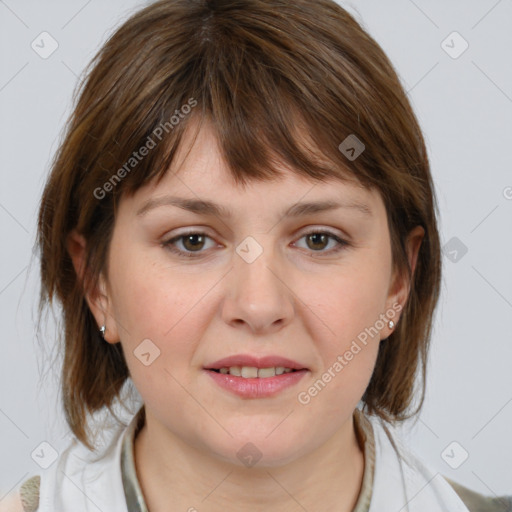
{"x":171,"y":471}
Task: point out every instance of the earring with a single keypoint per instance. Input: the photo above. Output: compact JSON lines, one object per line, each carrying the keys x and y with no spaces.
{"x":102,"y":330}
{"x":391,"y":324}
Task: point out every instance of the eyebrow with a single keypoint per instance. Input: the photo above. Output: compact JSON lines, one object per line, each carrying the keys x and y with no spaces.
{"x":209,"y":208}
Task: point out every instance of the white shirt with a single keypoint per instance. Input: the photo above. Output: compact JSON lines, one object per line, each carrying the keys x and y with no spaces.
{"x":83,"y":481}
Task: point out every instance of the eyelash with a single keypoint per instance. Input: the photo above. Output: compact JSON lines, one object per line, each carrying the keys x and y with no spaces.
{"x":169,"y":244}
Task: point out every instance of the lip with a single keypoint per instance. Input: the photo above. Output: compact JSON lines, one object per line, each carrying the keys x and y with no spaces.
{"x":258,"y":362}
{"x":256,"y":387}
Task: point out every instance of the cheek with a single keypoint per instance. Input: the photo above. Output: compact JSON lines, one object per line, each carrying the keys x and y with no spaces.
{"x":165,"y":307}
{"x":345,"y":326}
{"x":148,"y":299}
{"x":346,"y":303}
{"x":158,"y":303}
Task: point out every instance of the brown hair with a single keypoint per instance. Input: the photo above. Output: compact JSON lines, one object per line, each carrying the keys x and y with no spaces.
{"x":257,"y":69}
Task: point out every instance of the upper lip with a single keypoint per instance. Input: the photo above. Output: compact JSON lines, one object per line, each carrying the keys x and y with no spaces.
{"x":254,"y":361}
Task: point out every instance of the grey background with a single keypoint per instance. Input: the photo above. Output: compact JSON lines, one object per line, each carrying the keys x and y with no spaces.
{"x":465,"y":108}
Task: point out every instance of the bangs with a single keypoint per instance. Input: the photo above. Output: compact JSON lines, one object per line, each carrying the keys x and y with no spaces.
{"x":254,"y":146}
{"x":266,"y":105}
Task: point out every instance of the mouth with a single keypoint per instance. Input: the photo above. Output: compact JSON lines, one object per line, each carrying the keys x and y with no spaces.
{"x":252,"y":372}
{"x":251,"y":377}
{"x":251,"y":366}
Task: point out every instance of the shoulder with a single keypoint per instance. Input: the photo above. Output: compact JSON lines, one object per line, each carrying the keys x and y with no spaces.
{"x":473,"y":501}
{"x":476,"y":502}
{"x":11,"y":503}
{"x":25,"y":499}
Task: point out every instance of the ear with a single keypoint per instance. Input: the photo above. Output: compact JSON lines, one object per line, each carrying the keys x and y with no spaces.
{"x":97,"y":297}
{"x":401,"y":284}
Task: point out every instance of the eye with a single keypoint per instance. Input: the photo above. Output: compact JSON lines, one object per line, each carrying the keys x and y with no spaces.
{"x":318,"y":240}
{"x":192,"y":243}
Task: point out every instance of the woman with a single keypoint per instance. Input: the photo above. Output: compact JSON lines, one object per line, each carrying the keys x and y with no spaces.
{"x":241,"y":221}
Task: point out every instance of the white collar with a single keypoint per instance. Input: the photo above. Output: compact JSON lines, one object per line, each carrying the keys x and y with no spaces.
{"x":84,"y":481}
{"x":403,"y":483}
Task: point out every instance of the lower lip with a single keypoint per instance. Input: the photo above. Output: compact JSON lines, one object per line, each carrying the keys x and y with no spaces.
{"x":256,"y":387}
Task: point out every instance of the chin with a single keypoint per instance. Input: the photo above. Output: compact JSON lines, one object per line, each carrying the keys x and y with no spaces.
{"x":260,"y":450}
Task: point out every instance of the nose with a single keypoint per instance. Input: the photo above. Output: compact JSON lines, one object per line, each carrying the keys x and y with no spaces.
{"x":258,"y":298}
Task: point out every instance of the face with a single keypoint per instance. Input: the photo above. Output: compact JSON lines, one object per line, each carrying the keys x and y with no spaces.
{"x":189,"y":288}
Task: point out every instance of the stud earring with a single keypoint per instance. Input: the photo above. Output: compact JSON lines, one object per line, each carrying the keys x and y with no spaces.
{"x":102,"y":330}
{"x":391,"y":324}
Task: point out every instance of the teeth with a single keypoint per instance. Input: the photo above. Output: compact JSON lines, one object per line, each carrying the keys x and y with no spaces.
{"x":266,"y":372}
{"x":235,"y":370}
{"x":251,"y":372}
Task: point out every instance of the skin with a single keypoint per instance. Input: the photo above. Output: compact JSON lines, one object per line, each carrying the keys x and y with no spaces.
{"x":298,"y":299}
